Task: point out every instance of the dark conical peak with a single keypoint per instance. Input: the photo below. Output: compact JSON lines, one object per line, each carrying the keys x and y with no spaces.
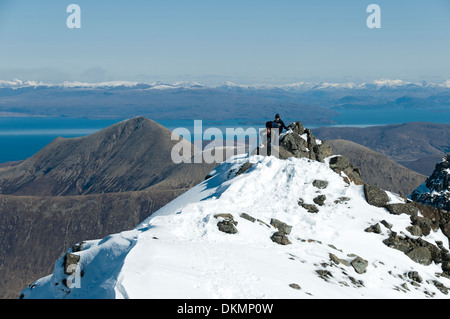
{"x":138,"y":122}
{"x":138,"y":130}
{"x":131,"y":155}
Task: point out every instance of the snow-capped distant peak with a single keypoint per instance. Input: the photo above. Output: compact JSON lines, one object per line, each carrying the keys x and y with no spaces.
{"x":19,"y":83}
{"x":389,"y":83}
{"x":111,"y":84}
{"x":300,"y":86}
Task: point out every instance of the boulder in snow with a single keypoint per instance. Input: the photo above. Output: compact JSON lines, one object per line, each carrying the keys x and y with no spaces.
{"x":300,"y":142}
{"x":280,"y":237}
{"x":341,"y":164}
{"x":282,"y":227}
{"x":226,"y":224}
{"x":320,"y":184}
{"x":359,"y":264}
{"x":320,"y":200}
{"x":375,"y":196}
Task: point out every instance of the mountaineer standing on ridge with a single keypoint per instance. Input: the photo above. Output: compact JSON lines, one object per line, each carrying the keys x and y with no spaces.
{"x":266,"y":136}
{"x":279,"y":124}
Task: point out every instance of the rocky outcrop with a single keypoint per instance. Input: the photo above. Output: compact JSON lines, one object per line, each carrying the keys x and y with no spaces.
{"x":359,"y":264}
{"x":300,"y":142}
{"x":280,"y":238}
{"x":70,"y":262}
{"x":311,"y":208}
{"x":281,"y":226}
{"x":226,"y":223}
{"x":375,"y":196}
{"x":227,"y":226}
{"x":374,"y":229}
{"x":248,"y":217}
{"x":417,"y":249}
{"x":320,"y":184}
{"x":341,"y":164}
{"x":320,"y":200}
{"x":436,"y":189}
{"x":424,"y":219}
{"x":377,"y":169}
{"x":245,"y":167}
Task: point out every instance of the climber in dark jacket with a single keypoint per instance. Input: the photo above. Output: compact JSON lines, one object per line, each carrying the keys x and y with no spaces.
{"x":279,"y":124}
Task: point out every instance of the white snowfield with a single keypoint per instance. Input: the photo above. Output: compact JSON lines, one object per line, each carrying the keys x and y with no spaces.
{"x":179,"y":252}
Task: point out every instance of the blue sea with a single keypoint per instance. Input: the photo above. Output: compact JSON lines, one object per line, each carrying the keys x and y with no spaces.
{"x":20,"y":138}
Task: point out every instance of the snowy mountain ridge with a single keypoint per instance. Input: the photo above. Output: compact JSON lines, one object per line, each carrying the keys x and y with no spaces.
{"x":301,"y":85}
{"x":262,"y":227}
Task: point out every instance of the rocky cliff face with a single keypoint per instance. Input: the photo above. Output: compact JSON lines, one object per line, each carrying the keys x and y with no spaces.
{"x":436,"y":189}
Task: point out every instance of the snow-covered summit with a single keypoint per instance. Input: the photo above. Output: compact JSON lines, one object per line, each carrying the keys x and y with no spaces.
{"x":261,"y":227}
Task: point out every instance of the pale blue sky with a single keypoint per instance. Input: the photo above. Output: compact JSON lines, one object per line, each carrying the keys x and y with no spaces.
{"x":246,"y":41}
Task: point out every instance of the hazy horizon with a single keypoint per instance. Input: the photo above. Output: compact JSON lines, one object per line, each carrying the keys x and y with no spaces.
{"x":213,"y":42}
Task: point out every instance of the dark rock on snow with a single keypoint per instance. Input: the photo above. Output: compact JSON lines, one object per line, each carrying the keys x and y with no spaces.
{"x":320,"y":184}
{"x":359,"y":264}
{"x":282,"y":227}
{"x":373,"y":229}
{"x":302,"y":143}
{"x":244,"y":168}
{"x":341,"y":164}
{"x":248,"y":217}
{"x":280,"y":238}
{"x":320,"y":200}
{"x":375,"y":196}
{"x":227,"y":224}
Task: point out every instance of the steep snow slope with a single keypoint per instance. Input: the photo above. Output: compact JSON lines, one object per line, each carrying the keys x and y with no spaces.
{"x":179,"y":252}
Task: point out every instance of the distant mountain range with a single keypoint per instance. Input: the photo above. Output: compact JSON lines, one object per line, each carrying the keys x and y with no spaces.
{"x":314,"y":103}
{"x":376,"y":84}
